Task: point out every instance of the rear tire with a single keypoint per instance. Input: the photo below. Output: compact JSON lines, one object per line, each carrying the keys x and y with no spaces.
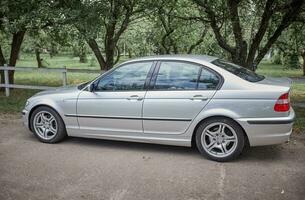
{"x":220,"y":139}
{"x":47,"y":125}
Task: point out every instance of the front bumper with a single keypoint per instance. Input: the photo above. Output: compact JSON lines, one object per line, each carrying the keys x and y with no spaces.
{"x":268,"y":131}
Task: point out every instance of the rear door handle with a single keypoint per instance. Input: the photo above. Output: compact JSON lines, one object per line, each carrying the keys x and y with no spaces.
{"x":198,"y":98}
{"x":135,"y":97}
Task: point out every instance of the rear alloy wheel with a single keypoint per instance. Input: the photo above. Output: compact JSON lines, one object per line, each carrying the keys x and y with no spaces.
{"x":220,"y":139}
{"x":47,"y":125}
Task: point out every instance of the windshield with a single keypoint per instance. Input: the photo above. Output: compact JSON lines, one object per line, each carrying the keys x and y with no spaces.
{"x":239,"y":71}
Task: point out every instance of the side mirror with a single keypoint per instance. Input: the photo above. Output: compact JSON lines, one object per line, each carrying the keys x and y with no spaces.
{"x":92,"y":87}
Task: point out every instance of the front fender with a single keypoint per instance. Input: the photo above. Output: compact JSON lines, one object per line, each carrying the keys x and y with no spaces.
{"x":61,"y":105}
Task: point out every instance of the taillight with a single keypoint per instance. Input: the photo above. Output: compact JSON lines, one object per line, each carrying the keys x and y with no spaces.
{"x":283,"y":103}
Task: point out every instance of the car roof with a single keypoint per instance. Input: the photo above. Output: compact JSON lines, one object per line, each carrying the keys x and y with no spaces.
{"x":180,"y":57}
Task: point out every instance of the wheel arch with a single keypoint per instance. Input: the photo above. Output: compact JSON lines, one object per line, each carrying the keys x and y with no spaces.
{"x":193,"y":141}
{"x":37,"y":106}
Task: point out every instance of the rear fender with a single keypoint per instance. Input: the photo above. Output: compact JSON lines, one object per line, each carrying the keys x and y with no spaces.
{"x":204,"y":114}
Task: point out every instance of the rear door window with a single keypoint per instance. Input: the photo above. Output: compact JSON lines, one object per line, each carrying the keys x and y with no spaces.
{"x":177,"y":76}
{"x":174,"y":75}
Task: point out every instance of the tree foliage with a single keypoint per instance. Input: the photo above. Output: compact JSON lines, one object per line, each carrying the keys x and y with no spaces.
{"x":103,"y":22}
{"x":240,"y":30}
{"x":17,"y":18}
{"x":172,"y":33}
{"x":291,"y":45}
{"x":248,"y":29}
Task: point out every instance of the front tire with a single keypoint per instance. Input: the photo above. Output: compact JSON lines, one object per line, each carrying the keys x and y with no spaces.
{"x":220,"y":139}
{"x":47,"y":125}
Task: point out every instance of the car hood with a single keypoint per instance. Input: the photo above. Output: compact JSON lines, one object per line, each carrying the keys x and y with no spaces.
{"x":285,"y":82}
{"x":60,"y":90}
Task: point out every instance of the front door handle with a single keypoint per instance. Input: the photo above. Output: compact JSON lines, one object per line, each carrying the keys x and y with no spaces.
{"x":135,"y":97}
{"x":198,"y":98}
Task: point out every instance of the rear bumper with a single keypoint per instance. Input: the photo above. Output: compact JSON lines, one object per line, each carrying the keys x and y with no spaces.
{"x":268,"y":131}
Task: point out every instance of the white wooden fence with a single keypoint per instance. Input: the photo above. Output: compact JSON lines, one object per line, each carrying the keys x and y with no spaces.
{"x":64,"y":72}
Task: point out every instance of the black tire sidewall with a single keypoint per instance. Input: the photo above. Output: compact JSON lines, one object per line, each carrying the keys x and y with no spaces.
{"x":240,"y":139}
{"x":61,"y":129}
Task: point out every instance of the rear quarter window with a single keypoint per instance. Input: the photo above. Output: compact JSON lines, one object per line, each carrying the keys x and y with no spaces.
{"x":239,"y":71}
{"x":208,"y":80}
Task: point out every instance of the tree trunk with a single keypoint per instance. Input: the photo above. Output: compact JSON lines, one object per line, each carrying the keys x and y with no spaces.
{"x":94,"y":47}
{"x":82,"y":57}
{"x":82,"y":53}
{"x":109,"y":50}
{"x":109,"y":57}
{"x":15,"y":49}
{"x":118,"y":55}
{"x":2,"y":62}
{"x":38,"y":59}
{"x":53,"y":51}
{"x":303,"y":63}
{"x":198,"y":42}
{"x":75,"y":51}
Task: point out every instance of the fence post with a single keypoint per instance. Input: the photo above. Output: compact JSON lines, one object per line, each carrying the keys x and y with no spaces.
{"x":6,"y":81}
{"x":64,"y":76}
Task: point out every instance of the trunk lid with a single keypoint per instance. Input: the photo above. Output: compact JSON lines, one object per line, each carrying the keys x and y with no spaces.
{"x":283,"y":81}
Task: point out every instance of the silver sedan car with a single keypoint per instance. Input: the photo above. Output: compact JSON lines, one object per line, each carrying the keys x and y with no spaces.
{"x":181,"y":100}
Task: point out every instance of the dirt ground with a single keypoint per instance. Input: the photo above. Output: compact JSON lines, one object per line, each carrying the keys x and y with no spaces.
{"x":99,"y":169}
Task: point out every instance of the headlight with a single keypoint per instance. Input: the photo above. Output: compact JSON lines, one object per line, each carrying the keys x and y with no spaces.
{"x":27,"y":103}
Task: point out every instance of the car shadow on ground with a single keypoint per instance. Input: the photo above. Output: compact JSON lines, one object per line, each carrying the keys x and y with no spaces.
{"x":262,"y":153}
{"x":266,"y":153}
{"x":131,"y":146}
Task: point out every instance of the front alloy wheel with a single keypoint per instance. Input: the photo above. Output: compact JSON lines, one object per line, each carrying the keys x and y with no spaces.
{"x":47,"y":125}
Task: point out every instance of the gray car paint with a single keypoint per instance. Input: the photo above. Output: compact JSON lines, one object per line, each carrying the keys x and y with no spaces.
{"x":237,"y":99}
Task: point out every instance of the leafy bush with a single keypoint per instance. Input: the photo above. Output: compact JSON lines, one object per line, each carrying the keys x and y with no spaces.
{"x":277,"y":59}
{"x":291,"y":61}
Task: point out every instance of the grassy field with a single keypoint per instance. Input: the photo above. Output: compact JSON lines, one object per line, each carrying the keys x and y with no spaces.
{"x":269,"y":69}
{"x":16,"y":101}
{"x":61,"y":61}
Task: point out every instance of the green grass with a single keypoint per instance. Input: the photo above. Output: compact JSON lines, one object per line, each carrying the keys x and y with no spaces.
{"x":54,"y":78}
{"x":16,"y":101}
{"x":298,"y":96}
{"x":299,"y":125}
{"x":298,"y":92}
{"x":268,"y":69}
{"x":51,"y":79}
{"x":60,"y":61}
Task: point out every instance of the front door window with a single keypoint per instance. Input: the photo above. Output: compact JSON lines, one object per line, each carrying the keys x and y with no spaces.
{"x":129,"y":77}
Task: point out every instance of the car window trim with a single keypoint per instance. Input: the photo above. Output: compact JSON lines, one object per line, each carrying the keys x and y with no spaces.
{"x":150,"y":75}
{"x":198,"y":78}
{"x":156,"y":71}
{"x":154,"y":76}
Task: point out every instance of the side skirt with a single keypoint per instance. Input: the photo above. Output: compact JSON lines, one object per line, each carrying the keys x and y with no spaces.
{"x":141,"y":139}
